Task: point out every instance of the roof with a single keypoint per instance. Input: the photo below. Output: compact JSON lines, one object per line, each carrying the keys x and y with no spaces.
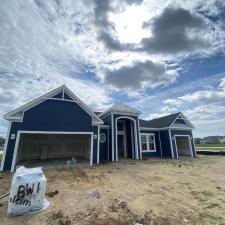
{"x":122,"y":108}
{"x":165,"y":121}
{"x":17,"y":114}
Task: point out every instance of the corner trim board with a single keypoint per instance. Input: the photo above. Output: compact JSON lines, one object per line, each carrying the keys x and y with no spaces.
{"x":5,"y":146}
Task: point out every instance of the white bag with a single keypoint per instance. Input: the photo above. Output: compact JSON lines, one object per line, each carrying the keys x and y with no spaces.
{"x":27,"y":194}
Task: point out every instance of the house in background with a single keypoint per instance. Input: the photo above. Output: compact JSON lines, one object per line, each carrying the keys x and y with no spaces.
{"x":58,"y":125}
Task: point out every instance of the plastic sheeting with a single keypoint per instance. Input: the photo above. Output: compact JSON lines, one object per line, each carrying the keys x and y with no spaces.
{"x":27,"y":194}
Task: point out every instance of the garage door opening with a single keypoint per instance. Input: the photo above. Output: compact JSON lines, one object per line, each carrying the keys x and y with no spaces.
{"x":183,"y":145}
{"x":36,"y":149}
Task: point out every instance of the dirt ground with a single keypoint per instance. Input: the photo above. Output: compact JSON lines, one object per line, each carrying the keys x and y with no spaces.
{"x":152,"y":191}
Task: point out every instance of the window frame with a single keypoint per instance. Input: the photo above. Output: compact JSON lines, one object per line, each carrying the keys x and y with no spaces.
{"x":147,"y":135}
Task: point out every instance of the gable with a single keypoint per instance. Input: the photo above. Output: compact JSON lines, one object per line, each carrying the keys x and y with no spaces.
{"x":61,"y":93}
{"x":57,"y":115}
{"x":181,"y":122}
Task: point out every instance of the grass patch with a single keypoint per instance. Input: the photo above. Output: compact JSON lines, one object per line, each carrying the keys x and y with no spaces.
{"x":210,"y":145}
{"x":202,"y":196}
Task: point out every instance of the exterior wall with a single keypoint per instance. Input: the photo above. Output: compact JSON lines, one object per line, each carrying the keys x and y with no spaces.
{"x":107,"y":121}
{"x":182,"y":132}
{"x":115,"y":116}
{"x":165,"y":143}
{"x":157,"y":144}
{"x":52,"y":115}
{"x":104,"y":151}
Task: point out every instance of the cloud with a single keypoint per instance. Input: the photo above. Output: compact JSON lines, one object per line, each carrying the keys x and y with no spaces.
{"x":139,"y":75}
{"x":173,"y":102}
{"x":174,"y":31}
{"x":106,"y":28}
{"x":204,"y":112}
{"x":204,"y":96}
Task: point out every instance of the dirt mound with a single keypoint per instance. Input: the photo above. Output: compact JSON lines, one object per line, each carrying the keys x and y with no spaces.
{"x":58,"y":218}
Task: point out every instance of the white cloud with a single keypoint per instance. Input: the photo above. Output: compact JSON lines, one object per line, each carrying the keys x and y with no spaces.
{"x":204,"y":96}
{"x":204,"y":112}
{"x":173,"y":102}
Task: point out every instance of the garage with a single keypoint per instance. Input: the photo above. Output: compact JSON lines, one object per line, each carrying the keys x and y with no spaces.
{"x":47,"y":147}
{"x":183,"y":145}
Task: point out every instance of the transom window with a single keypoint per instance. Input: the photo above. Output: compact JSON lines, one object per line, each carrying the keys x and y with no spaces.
{"x":148,"y":142}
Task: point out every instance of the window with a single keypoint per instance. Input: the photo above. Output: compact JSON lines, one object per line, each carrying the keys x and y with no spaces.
{"x":148,"y":142}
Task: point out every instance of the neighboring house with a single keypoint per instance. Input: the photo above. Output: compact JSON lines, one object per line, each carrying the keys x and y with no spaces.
{"x":59,"y":125}
{"x":203,"y":141}
{"x":222,"y":140}
{"x":197,"y":140}
{"x":212,"y":139}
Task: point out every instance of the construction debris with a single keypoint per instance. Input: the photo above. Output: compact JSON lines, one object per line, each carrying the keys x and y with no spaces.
{"x":27,"y":194}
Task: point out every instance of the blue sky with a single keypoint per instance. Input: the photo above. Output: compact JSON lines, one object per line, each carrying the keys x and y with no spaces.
{"x":160,"y":57}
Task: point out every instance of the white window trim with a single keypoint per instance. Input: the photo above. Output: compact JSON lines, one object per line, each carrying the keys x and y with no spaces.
{"x":147,"y":138}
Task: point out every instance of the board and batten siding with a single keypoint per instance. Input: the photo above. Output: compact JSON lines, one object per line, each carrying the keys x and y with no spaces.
{"x":165,"y":143}
{"x":107,"y":121}
{"x":104,"y":147}
{"x":52,"y":115}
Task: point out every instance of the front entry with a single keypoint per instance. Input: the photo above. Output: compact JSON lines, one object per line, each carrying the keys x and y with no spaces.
{"x":121,"y":146}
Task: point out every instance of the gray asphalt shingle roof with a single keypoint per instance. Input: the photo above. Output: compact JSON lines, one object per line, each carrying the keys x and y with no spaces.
{"x":161,"y":122}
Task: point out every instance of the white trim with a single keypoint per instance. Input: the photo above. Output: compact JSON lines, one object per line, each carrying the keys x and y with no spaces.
{"x":98,"y":145}
{"x":139,"y":136}
{"x":108,"y":142}
{"x":92,"y":145}
{"x":171,"y":144}
{"x":135,"y":131}
{"x":61,"y":100}
{"x":132,"y":140}
{"x":5,"y":146}
{"x":39,"y":100}
{"x":147,"y":141}
{"x":189,"y":141}
{"x":112,"y":129}
{"x":193,"y":140}
{"x":116,"y":140}
{"x":109,"y":111}
{"x":160,"y":143}
{"x":19,"y":132}
{"x":164,"y":128}
{"x":63,"y":94}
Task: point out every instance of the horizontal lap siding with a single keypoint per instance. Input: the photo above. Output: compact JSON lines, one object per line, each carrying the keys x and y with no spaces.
{"x":157,"y":143}
{"x":182,"y":132}
{"x":52,"y":115}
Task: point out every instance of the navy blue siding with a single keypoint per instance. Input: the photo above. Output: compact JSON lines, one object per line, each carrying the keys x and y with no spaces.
{"x":157,"y":143}
{"x":53,"y":116}
{"x":182,"y":132}
{"x":67,"y":97}
{"x":107,"y":121}
{"x":59,"y":95}
{"x":165,"y":143}
{"x":103,"y":154}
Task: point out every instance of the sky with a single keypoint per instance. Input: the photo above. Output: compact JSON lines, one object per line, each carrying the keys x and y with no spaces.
{"x":159,"y":57}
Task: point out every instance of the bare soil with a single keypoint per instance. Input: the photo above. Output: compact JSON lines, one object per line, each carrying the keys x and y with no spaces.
{"x":152,"y":191}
